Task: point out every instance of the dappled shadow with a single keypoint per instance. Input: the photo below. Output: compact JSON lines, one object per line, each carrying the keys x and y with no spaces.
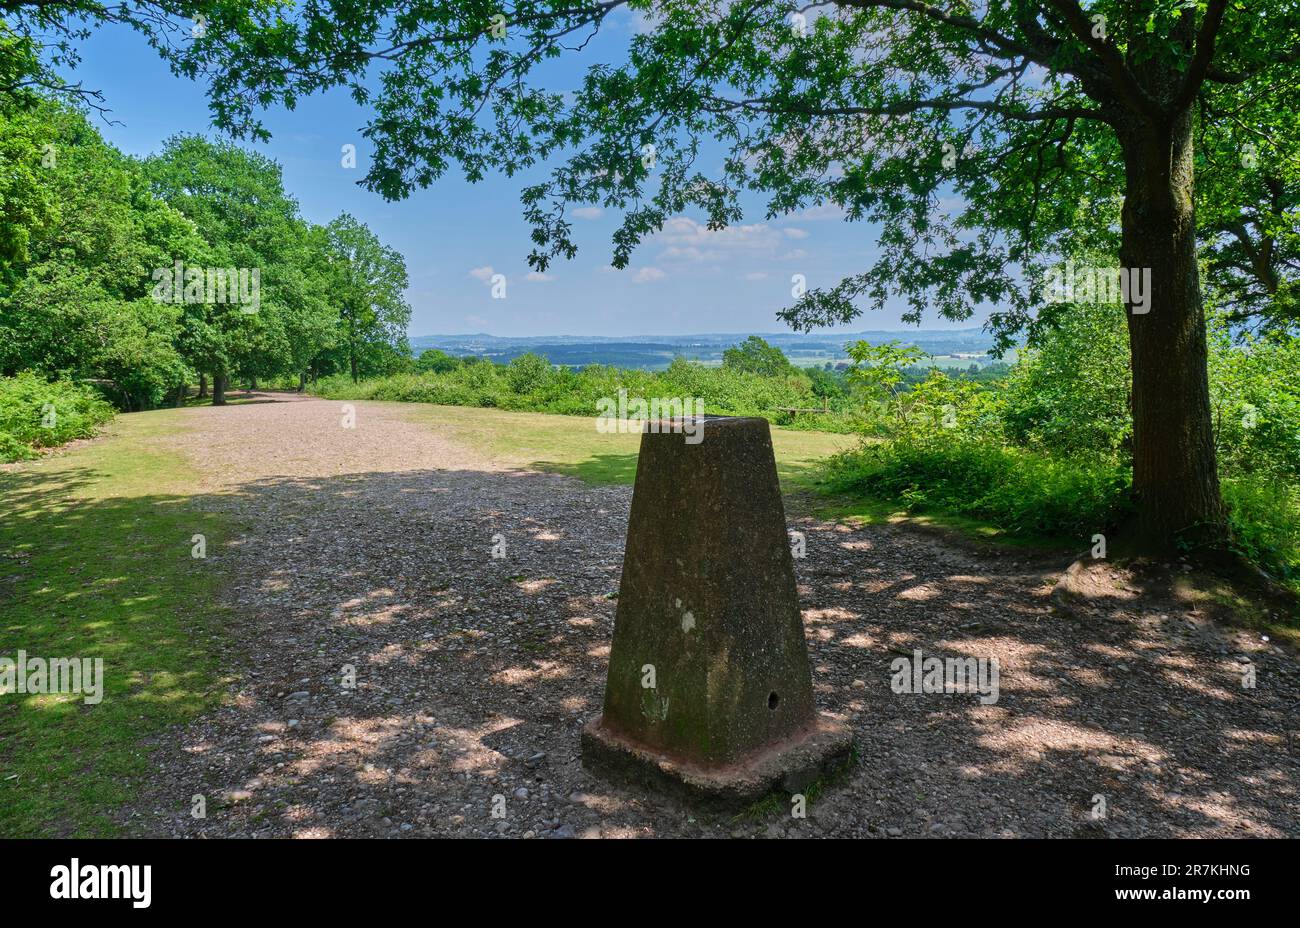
{"x":251,"y":398}
{"x":474,"y":673}
{"x":1136,"y":704}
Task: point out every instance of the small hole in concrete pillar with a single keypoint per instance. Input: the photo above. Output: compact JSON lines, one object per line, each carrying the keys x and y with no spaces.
{"x":772,"y":700}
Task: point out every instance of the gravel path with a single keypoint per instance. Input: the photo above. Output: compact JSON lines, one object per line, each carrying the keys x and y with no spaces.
{"x":371,"y":549}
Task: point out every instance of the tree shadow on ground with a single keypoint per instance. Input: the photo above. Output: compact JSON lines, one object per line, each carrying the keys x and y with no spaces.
{"x":474,"y":673}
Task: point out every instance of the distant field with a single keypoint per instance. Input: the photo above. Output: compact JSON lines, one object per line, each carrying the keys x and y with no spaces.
{"x":571,"y":445}
{"x":656,"y":353}
{"x":651,"y":358}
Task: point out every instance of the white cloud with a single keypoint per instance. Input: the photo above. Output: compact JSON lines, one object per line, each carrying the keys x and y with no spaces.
{"x":647,"y":274}
{"x":588,"y":212}
{"x":539,"y":277}
{"x":693,"y":242}
{"x":756,"y":275}
{"x":483,"y":273}
{"x":796,"y":233}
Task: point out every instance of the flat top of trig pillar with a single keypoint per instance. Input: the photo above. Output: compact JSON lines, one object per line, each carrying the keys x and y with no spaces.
{"x":711,"y":421}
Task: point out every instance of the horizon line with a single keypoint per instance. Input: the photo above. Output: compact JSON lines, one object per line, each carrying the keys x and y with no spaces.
{"x":643,"y":335}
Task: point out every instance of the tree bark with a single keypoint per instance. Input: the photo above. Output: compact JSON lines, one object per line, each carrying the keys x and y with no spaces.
{"x":302,"y":381}
{"x":1175,"y":476}
{"x":219,"y":382}
{"x":203,"y":386}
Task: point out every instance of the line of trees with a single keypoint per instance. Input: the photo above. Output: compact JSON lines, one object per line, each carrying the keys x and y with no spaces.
{"x":108,"y":265}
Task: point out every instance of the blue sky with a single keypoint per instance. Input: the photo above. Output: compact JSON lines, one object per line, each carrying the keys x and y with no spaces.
{"x":455,"y":235}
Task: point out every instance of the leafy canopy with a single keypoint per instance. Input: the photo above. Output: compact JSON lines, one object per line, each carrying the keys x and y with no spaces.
{"x":982,"y":138}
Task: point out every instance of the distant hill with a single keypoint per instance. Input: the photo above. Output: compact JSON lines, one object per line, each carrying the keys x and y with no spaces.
{"x":654,"y":352}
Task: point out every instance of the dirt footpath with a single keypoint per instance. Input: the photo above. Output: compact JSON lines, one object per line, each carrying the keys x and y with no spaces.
{"x":367,"y":555}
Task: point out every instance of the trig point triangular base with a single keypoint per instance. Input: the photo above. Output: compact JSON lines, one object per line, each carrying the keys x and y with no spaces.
{"x":709,"y":692}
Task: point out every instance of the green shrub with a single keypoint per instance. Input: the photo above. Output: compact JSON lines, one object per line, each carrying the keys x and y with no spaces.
{"x":1265,"y":517}
{"x":1256,"y":396}
{"x":1018,"y":491}
{"x":1068,"y":392}
{"x":11,"y":449}
{"x":528,"y":373}
{"x":37,"y":413}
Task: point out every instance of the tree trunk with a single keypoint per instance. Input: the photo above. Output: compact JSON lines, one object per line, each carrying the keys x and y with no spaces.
{"x":219,"y":382}
{"x":302,"y":381}
{"x":352,"y":344}
{"x":1175,"y":477}
{"x":178,"y":395}
{"x":203,"y":386}
{"x":252,"y":383}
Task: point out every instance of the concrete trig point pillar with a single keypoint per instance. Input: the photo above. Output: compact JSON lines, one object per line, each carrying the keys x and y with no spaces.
{"x":709,"y":690}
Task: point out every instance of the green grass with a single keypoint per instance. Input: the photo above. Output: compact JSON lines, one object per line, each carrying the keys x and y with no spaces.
{"x":571,"y":445}
{"x":95,"y":562}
